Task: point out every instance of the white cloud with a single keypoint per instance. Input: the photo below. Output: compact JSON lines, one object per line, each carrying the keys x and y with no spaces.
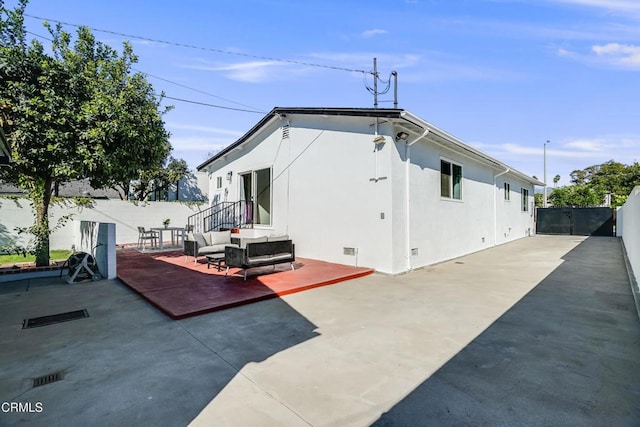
{"x":566,"y":155}
{"x":430,"y":66}
{"x":627,"y":9}
{"x":374,"y":32}
{"x":622,"y":55}
{"x":612,"y":55}
{"x":619,"y":5}
{"x":253,"y":71}
{"x":199,"y":143}
{"x":605,"y":147}
{"x":622,"y":148}
{"x":587,"y":145}
{"x":250,"y":72}
{"x":206,"y":129}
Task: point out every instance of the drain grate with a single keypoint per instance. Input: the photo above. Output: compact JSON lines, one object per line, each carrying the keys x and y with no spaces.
{"x":54,"y":318}
{"x":47,"y":379}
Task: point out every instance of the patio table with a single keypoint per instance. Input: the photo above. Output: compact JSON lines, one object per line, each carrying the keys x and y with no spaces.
{"x":215,"y":259}
{"x":176,"y":233}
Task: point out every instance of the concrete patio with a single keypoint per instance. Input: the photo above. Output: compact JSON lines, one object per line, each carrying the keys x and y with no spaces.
{"x":536,"y":332}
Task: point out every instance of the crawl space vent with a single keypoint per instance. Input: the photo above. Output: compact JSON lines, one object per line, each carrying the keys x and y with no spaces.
{"x":47,"y":379}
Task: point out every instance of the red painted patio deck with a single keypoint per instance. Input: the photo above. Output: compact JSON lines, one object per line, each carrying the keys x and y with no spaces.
{"x":182,"y":289}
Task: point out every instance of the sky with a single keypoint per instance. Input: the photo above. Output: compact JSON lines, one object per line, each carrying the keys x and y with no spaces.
{"x":504,"y":76}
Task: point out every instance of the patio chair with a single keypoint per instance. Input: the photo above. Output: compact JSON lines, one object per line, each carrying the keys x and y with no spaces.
{"x":144,"y":235}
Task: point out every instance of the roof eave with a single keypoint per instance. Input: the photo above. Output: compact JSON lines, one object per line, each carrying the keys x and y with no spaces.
{"x":283,"y":111}
{"x":411,"y":118}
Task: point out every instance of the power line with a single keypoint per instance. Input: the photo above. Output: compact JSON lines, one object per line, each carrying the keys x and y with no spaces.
{"x":193,"y":89}
{"x":187,"y":87}
{"x":211,"y":105}
{"x":38,"y":35}
{"x":189,"y":46}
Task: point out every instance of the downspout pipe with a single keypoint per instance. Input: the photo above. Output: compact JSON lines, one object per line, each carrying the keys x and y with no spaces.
{"x":495,"y":206}
{"x":407,"y":148}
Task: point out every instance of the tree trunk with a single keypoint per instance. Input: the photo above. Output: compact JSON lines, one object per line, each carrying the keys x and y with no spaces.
{"x":41,"y":230}
{"x":122,"y":190}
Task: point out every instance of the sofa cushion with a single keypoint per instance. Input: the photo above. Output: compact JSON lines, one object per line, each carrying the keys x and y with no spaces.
{"x":199,"y":238}
{"x":245,"y":240}
{"x":214,"y":249}
{"x":268,"y":258}
{"x":219,"y":237}
{"x":278,"y":238}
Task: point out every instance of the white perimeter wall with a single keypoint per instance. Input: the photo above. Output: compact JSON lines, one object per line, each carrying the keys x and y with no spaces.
{"x":125,"y":215}
{"x":628,"y":227}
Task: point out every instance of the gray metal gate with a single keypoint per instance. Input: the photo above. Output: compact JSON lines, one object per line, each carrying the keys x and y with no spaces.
{"x":575,"y":221}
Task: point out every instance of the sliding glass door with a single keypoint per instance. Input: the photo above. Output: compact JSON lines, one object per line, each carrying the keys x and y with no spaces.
{"x":263,"y":196}
{"x":255,"y":190}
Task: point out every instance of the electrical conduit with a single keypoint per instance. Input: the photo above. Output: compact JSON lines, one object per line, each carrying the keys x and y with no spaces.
{"x":407,"y":148}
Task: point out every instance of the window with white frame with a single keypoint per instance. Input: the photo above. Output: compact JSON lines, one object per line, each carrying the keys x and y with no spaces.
{"x":450,"y":180}
{"x":218,"y":182}
{"x":525,"y":200}
{"x":507,"y":191}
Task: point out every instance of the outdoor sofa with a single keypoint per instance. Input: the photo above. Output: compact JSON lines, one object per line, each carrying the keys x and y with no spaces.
{"x":215,"y":242}
{"x":212,"y":242}
{"x":260,"y":254}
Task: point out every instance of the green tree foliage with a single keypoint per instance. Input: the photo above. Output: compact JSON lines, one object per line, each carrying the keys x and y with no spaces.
{"x":175,"y":170}
{"x":73,"y":112}
{"x":538,"y":199}
{"x":160,"y":180}
{"x":575,"y":195}
{"x":592,"y":184}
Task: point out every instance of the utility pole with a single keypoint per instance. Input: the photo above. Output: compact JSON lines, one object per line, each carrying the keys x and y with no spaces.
{"x":374,"y":90}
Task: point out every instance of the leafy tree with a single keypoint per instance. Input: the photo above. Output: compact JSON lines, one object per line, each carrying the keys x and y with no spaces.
{"x":158,"y":181}
{"x":611,"y":177}
{"x":538,"y":199}
{"x":73,"y":112}
{"x":175,"y":170}
{"x":138,"y":133}
{"x":575,"y":195}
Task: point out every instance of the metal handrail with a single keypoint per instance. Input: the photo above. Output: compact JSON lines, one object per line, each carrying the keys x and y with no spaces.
{"x":222,"y":215}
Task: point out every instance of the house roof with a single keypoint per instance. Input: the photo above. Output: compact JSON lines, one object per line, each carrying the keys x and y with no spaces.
{"x":405,"y":119}
{"x":78,"y":188}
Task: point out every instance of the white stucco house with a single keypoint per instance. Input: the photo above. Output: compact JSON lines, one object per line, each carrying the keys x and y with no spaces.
{"x":374,"y":187}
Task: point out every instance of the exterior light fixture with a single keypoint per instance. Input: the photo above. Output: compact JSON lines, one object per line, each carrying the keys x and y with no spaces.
{"x":229,"y":176}
{"x":402,"y":136}
{"x":378,"y":140}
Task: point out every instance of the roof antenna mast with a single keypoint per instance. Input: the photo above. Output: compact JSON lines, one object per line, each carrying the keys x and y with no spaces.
{"x":375,"y":82}
{"x":374,"y":89}
{"x":395,"y":89}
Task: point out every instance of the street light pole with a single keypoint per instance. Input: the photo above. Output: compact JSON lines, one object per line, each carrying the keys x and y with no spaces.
{"x":544,"y":201}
